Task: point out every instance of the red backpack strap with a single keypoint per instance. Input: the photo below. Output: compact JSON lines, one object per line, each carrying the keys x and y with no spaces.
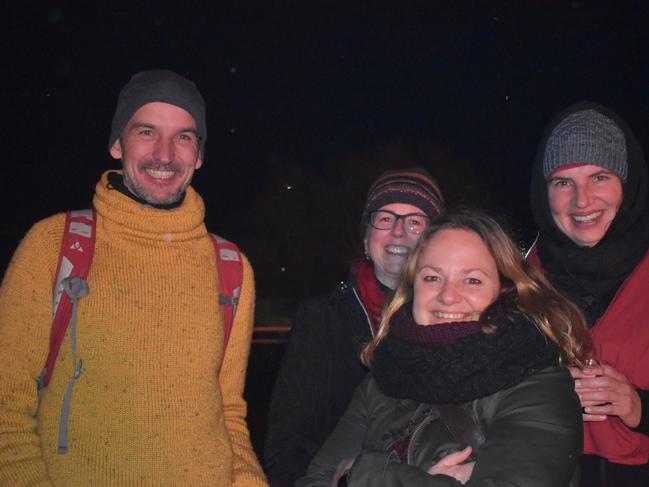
{"x":229,"y":265}
{"x":77,"y":248}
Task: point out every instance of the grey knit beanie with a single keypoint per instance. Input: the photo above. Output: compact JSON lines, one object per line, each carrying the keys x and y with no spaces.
{"x":159,"y":85}
{"x":587,"y":137}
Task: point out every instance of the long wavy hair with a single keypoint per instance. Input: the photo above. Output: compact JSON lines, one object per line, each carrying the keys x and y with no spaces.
{"x":559,"y":319}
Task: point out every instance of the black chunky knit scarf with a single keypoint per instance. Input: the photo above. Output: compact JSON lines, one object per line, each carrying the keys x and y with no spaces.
{"x":474,"y":366}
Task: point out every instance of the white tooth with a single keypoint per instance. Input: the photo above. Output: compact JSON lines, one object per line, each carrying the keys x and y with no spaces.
{"x":587,"y":218}
{"x":160,"y":174}
{"x":397,"y":249}
{"x":448,"y":316}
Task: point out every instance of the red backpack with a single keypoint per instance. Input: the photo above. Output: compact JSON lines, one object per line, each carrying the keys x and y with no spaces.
{"x":75,"y":259}
{"x":70,"y":284}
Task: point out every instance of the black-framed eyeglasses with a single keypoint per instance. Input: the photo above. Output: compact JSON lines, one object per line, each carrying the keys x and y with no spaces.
{"x":413,"y":223}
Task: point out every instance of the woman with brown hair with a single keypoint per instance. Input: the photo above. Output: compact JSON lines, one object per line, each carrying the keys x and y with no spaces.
{"x":468,"y":381}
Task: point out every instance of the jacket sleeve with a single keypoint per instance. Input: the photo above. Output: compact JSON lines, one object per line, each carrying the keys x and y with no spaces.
{"x":25,"y":323}
{"x":534,"y":438}
{"x":643,"y":427}
{"x":300,"y":405}
{"x":534,"y":435}
{"x":345,"y":442}
{"x":246,"y":469}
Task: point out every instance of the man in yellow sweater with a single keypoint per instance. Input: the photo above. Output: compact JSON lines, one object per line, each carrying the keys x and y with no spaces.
{"x":159,"y":401}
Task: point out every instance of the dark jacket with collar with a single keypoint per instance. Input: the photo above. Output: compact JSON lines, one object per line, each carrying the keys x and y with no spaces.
{"x":528,"y":435}
{"x":319,"y":373}
{"x":498,"y":389}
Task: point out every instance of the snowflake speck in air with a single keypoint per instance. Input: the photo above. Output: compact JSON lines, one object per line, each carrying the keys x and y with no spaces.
{"x":283,"y":269}
{"x":288,"y":187}
{"x":233,"y":69}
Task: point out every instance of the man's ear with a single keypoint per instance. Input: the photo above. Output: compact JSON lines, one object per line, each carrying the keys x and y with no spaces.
{"x":198,"y":163}
{"x":116,"y":150}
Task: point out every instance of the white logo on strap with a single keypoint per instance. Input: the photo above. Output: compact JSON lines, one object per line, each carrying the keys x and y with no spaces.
{"x":77,"y":246}
{"x":228,"y":254}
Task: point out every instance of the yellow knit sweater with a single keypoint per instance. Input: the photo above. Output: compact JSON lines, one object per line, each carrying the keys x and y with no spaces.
{"x":149,"y":408}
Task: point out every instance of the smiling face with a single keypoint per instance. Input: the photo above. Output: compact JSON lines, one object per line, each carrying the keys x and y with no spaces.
{"x":159,"y":149}
{"x":456,"y":278}
{"x":389,"y":249}
{"x":584,"y":201}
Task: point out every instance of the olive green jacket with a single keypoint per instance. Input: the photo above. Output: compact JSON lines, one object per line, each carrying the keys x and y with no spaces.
{"x":529,"y":435}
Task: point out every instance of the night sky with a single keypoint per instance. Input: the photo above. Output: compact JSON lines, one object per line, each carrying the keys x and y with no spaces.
{"x":307,"y":105}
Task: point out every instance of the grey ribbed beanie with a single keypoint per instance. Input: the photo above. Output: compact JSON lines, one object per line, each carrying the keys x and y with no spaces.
{"x":159,"y":85}
{"x":587,"y":137}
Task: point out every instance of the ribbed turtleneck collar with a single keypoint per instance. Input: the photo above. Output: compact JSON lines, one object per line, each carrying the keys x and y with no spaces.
{"x":131,"y":217}
{"x":116,"y":181}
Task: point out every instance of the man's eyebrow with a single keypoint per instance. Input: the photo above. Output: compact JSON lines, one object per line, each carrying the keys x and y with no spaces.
{"x":146,"y":125}
{"x":141,"y":125}
{"x":189,"y":129}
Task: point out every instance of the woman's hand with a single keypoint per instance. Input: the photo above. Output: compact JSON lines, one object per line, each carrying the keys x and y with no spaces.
{"x":453,"y":466}
{"x":603,"y":392}
{"x":343,"y":467}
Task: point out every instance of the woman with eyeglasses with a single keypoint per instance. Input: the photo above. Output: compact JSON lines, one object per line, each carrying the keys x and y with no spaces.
{"x":321,"y":366}
{"x":468,"y":382}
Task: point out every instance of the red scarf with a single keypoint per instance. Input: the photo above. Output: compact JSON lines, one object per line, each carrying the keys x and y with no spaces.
{"x":370,"y":293}
{"x":621,"y":339}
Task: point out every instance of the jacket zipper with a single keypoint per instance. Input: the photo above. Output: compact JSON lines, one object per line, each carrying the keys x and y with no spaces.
{"x":367,"y":317}
{"x":427,"y":419}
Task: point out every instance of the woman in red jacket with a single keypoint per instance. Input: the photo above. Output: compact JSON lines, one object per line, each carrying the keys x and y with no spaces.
{"x":589,"y":199}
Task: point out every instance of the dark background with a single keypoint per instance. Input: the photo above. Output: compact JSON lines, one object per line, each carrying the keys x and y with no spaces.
{"x":308,"y":104}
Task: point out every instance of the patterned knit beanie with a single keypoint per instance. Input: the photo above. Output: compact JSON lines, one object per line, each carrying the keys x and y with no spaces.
{"x":410,"y":186}
{"x":159,"y":85}
{"x":586,"y":137}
